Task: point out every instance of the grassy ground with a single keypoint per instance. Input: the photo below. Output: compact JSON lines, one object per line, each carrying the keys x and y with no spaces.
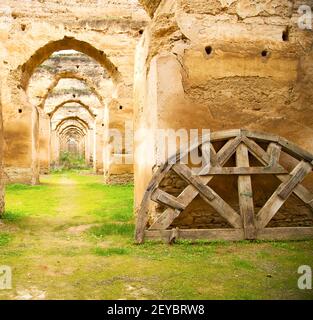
{"x":72,"y":238}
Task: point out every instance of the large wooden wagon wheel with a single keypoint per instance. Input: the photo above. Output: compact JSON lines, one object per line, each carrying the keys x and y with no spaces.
{"x":246,"y":224}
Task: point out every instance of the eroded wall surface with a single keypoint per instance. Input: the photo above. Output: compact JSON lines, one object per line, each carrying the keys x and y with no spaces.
{"x":222,"y":65}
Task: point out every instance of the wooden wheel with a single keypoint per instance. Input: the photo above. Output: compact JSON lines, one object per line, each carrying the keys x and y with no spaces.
{"x":245,"y":223}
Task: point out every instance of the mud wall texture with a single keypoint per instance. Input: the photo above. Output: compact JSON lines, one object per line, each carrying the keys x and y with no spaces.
{"x":231,"y":64}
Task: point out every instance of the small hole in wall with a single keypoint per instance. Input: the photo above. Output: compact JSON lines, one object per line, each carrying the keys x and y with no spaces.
{"x":20,"y":110}
{"x":77,"y":67}
{"x":264,"y":53}
{"x":102,"y":124}
{"x":141,"y":31}
{"x":285,"y":35}
{"x":121,"y":107}
{"x":23,"y":27}
{"x":208,"y":50}
{"x":74,"y":95}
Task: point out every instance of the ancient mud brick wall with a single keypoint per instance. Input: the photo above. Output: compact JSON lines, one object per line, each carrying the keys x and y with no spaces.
{"x":235,"y":64}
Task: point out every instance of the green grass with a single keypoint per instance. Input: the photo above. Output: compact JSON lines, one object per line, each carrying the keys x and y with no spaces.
{"x":72,"y":238}
{"x":110,"y":251}
{"x":109,"y":229}
{"x":5,"y":238}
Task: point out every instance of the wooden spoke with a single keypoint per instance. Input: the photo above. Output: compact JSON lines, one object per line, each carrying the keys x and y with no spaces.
{"x":185,"y":173}
{"x":273,"y":151}
{"x":279,"y":197}
{"x":242,"y":171}
{"x":300,"y":191}
{"x":167,"y":199}
{"x":245,"y":194}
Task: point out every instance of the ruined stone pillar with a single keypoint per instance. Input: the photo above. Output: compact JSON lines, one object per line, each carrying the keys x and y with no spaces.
{"x":44,"y":142}
{"x":99,"y":136}
{"x":54,"y":148}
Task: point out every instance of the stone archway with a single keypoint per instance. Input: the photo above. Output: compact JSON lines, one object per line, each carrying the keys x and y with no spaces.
{"x":71,"y":75}
{"x":78,"y":101}
{"x":19,"y":80}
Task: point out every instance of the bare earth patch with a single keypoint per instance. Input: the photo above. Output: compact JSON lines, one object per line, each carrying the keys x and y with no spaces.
{"x":81,"y":228}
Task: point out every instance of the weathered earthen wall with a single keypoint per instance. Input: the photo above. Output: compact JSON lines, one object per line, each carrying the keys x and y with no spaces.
{"x":222,"y":65}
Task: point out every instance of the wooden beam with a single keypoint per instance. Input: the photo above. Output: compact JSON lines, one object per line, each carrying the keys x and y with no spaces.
{"x":225,"y":134}
{"x":243,"y":170}
{"x":142,"y":215}
{"x":245,"y":194}
{"x":294,"y":150}
{"x":189,"y":193}
{"x":286,"y":233}
{"x":206,"y":153}
{"x":297,"y":176}
{"x":273,"y":151}
{"x":262,"y":136}
{"x":281,"y":194}
{"x":279,"y":233}
{"x":186,"y":174}
{"x":228,"y":150}
{"x":167,"y":199}
{"x":300,"y":191}
{"x":209,"y":196}
{"x":229,"y":234}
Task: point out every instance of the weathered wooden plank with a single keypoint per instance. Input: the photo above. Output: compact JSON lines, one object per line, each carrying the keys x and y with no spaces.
{"x":297,"y":177}
{"x":279,"y":233}
{"x":167,"y":199}
{"x":228,"y":150}
{"x":294,"y":150}
{"x":187,"y":195}
{"x":225,"y":134}
{"x":285,"y":233}
{"x":165,"y":219}
{"x":209,"y":196}
{"x":185,"y":173}
{"x":245,"y":194}
{"x":229,"y":234}
{"x":243,"y":170}
{"x":275,"y":201}
{"x":206,"y":153}
{"x":273,"y":151}
{"x":142,"y":215}
{"x":142,"y":218}
{"x":300,"y":191}
{"x":262,"y":136}
{"x":256,"y":150}
{"x":174,"y":235}
{"x":158,"y":176}
{"x":209,"y":157}
{"x":223,"y":155}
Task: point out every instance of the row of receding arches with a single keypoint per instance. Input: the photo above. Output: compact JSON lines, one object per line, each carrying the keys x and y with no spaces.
{"x":75,"y":90}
